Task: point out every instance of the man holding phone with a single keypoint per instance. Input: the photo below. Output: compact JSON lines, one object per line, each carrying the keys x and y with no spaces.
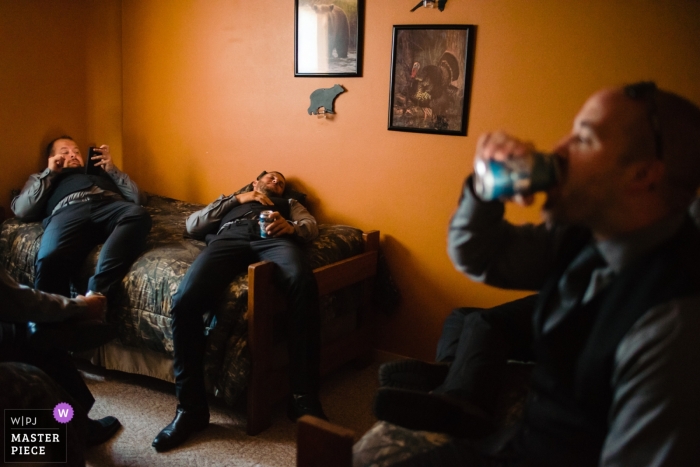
{"x":81,"y":210}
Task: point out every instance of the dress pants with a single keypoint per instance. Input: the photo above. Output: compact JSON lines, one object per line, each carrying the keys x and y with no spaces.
{"x":227,"y":255}
{"x":57,"y":364}
{"x":72,"y":232}
{"x":479,"y":342}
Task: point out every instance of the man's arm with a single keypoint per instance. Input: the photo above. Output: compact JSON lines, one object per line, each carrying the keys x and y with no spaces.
{"x":30,"y":203}
{"x":487,"y":248}
{"x":127,"y":187}
{"x":21,"y":304}
{"x":207,"y":220}
{"x":305,"y":226}
{"x":655,"y":414}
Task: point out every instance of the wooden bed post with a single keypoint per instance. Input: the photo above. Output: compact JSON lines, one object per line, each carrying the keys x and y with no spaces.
{"x":261,"y":304}
{"x":268,"y":381}
{"x":371,"y":239}
{"x":323,"y":444}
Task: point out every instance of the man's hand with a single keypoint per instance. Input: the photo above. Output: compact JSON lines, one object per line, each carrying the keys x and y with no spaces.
{"x":500,"y":146}
{"x":279,"y":226}
{"x":104,"y":159}
{"x":249,"y":196}
{"x":56,"y":163}
{"x":96,"y":306}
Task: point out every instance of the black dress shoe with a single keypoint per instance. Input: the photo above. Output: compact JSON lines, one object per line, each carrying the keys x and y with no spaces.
{"x":431,"y":412}
{"x":71,"y":336}
{"x":99,"y":431}
{"x":415,"y":375}
{"x":304,"y":404}
{"x":183,"y":425}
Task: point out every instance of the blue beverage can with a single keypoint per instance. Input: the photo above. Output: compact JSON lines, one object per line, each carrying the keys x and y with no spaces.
{"x":516,"y":176}
{"x":264,"y":220}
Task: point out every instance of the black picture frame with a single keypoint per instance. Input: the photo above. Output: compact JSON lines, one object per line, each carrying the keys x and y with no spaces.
{"x":431,"y":78}
{"x":338,"y":55}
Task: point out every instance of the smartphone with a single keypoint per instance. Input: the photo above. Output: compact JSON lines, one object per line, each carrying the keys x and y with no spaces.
{"x":89,"y":163}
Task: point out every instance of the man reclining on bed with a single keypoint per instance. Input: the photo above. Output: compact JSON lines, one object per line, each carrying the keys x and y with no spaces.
{"x":232,"y":232}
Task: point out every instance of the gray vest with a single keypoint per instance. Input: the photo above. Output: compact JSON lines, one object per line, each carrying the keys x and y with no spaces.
{"x":74,"y":179}
{"x":566,"y":413}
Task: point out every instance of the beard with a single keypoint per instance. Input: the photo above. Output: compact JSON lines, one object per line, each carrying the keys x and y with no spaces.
{"x":265,"y":191}
{"x":572,"y":206}
{"x":558,"y":207}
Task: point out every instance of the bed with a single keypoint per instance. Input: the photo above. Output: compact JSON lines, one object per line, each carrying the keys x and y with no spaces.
{"x":245,"y":343}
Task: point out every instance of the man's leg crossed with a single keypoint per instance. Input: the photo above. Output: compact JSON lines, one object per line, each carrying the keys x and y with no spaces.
{"x":124,"y":226}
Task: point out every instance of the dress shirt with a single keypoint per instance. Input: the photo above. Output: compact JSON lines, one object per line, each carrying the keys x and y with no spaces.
{"x":208,"y":220}
{"x":29,"y":204}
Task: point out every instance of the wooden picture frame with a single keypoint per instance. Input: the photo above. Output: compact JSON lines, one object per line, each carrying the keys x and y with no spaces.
{"x":431,"y":76}
{"x":328,"y":37}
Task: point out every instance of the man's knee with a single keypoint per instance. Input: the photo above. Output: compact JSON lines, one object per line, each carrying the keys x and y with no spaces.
{"x":455,"y":320}
{"x":137,"y":215}
{"x":452,"y":330}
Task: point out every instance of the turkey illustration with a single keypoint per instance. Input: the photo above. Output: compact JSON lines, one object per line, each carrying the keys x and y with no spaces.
{"x":430,"y":91}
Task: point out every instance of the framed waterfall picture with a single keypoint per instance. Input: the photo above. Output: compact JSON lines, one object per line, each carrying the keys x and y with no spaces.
{"x":328,"y":37}
{"x":431,"y":74}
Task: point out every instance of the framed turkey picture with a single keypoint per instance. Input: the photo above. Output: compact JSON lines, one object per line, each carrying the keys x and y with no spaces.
{"x":431,"y":74}
{"x":328,"y":37}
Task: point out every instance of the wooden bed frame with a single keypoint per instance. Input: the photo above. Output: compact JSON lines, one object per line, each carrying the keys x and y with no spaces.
{"x":323,"y":444}
{"x":268,"y":381}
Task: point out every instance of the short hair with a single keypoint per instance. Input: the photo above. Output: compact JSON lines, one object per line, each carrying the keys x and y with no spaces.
{"x":679,"y":120}
{"x":271,"y":171}
{"x":49,"y":147}
{"x":674,"y":132}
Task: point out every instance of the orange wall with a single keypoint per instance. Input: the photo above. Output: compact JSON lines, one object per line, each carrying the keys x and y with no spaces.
{"x":42,"y":77}
{"x":201,"y":96}
{"x":60,"y":73}
{"x":210,"y":99}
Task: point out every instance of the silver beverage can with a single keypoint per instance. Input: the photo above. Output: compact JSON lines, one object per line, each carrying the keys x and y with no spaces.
{"x":516,"y":176}
{"x":264,"y":220}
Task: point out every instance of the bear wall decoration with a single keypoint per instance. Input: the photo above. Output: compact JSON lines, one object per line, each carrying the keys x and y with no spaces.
{"x":324,"y":97}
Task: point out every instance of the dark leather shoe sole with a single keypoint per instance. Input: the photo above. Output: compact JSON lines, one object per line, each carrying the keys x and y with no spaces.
{"x":179,"y":430}
{"x":415,"y":375}
{"x":431,"y":412}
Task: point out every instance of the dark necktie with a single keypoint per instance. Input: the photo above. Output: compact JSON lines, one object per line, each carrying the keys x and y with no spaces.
{"x":574,"y":283}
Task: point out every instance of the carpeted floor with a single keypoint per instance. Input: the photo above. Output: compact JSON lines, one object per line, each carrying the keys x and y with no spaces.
{"x":145,"y":405}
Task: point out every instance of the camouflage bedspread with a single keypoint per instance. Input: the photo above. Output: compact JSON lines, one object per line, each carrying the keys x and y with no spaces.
{"x":142,"y":308}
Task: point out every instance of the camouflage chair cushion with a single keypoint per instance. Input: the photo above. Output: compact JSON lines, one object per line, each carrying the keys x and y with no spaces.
{"x":386,"y":444}
{"x":141,"y":308}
